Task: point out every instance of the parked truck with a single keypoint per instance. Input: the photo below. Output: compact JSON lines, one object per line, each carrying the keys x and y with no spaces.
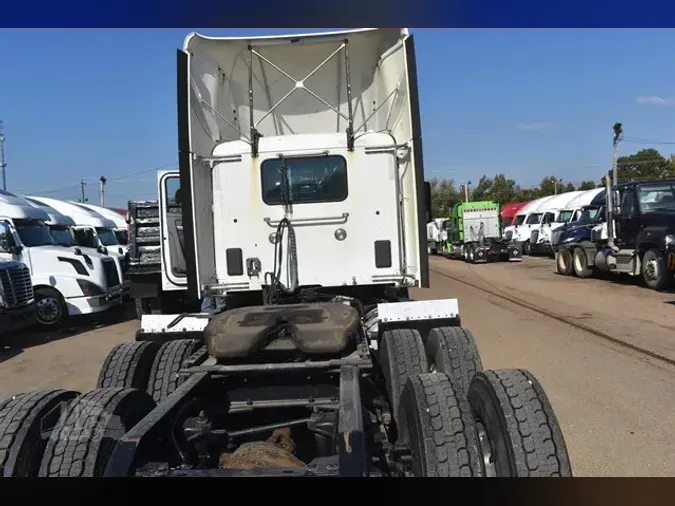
{"x":17,"y":298}
{"x":91,"y":230}
{"x":527,"y":220}
{"x":120,"y":228}
{"x":436,"y":236}
{"x":157,"y":264}
{"x":474,"y":233}
{"x":552,"y":210}
{"x":581,"y":224}
{"x":66,"y":282}
{"x":320,"y":364}
{"x":570,"y":214}
{"x":509,"y":212}
{"x":640,"y":235}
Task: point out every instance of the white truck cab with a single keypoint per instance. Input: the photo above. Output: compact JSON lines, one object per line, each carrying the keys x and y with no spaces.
{"x":120,"y":229}
{"x":576,"y":208}
{"x":91,"y":230}
{"x":551,"y":209}
{"x":529,"y":218}
{"x":66,"y":281}
{"x":570,"y":213}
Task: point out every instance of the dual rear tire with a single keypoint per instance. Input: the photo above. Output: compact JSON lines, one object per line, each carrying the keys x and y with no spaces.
{"x":572,"y":261}
{"x":457,"y":419}
{"x":62,"y":433}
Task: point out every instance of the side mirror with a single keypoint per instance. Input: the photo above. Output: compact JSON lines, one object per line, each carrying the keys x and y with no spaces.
{"x":427,"y":201}
{"x":7,"y":240}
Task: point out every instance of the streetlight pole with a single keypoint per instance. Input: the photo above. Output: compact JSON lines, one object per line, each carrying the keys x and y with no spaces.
{"x":618,"y":131}
{"x":3,"y":162}
{"x":103,"y":181}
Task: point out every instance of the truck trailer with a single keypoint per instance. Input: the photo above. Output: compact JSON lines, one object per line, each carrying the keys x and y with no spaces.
{"x":474,"y":233}
{"x":319,"y":364}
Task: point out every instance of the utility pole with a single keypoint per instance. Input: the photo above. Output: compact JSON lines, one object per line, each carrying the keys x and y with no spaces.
{"x":82,"y":185}
{"x":618,"y":131}
{"x":103,"y":181}
{"x":3,"y":162}
{"x":466,"y":191}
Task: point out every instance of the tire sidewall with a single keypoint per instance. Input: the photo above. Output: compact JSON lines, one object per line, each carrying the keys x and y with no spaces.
{"x":563,"y":262}
{"x":580,"y":263}
{"x":483,"y":405}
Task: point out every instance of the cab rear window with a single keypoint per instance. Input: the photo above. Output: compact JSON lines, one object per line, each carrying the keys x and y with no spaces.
{"x":304,"y":180}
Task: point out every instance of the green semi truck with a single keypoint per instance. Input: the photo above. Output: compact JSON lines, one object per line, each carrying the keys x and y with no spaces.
{"x":474,"y":234}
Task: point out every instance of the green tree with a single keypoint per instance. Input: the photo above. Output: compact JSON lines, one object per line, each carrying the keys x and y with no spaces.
{"x":548,"y":186}
{"x":504,"y":190}
{"x":645,"y":164}
{"x":526,"y":194}
{"x":569,"y":187}
{"x":587,"y":185}
{"x":444,"y":195}
{"x":482,"y":190}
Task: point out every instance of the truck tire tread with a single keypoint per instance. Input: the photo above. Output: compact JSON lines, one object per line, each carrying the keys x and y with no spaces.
{"x":402,"y":355}
{"x":453,"y":352}
{"x":437,"y":423}
{"x":128,"y":365}
{"x":168,"y":360}
{"x":526,"y":438}
{"x":89,"y":429}
{"x":23,"y":420}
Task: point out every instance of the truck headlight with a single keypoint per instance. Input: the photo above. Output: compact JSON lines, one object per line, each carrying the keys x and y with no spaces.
{"x":90,"y":289}
{"x":670,"y":240}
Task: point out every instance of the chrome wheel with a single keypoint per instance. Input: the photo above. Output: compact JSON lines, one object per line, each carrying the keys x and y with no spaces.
{"x":486,"y":451}
{"x":48,"y":310}
{"x":652,"y":270}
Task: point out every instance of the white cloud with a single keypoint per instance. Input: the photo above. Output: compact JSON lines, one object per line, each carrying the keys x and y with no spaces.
{"x":654,"y":100}
{"x":533,"y":126}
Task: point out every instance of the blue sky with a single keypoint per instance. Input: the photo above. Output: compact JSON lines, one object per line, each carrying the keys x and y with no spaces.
{"x":84,"y":103}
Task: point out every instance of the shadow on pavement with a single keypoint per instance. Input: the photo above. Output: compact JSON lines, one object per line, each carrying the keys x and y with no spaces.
{"x":12,"y":345}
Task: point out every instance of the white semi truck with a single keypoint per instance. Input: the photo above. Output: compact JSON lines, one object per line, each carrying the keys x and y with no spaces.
{"x":66,"y":281}
{"x":526,"y":220}
{"x":120,"y":229}
{"x":571,"y":213}
{"x":303,"y":206}
{"x":436,"y":236}
{"x":550,"y":210}
{"x":92,"y":230}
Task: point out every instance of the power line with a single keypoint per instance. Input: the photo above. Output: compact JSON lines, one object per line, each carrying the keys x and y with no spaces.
{"x":77,"y":185}
{"x":637,"y":140}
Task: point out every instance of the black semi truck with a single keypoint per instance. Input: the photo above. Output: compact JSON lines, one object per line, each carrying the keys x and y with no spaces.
{"x":638,"y":238}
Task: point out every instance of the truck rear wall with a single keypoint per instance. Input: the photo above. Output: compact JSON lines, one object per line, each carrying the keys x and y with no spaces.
{"x":383,"y":99}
